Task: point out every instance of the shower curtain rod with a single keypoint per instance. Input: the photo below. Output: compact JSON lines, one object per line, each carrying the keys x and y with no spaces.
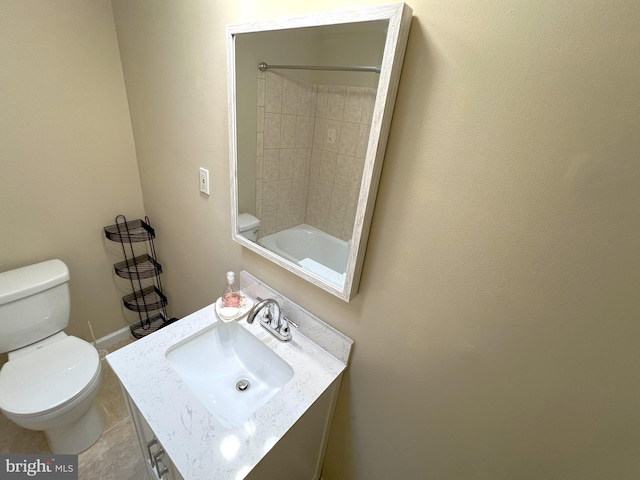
{"x":263,"y":66}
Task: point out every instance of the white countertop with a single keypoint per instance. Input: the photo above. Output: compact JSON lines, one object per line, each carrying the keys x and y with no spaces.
{"x":199,"y":445}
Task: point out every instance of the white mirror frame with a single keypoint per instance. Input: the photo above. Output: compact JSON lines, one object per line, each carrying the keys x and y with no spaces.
{"x":399,"y":18}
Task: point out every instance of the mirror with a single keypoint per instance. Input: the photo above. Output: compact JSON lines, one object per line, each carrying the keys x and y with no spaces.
{"x":310,"y":105}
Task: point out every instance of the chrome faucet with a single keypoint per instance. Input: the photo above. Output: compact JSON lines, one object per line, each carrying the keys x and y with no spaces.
{"x":276,"y":324}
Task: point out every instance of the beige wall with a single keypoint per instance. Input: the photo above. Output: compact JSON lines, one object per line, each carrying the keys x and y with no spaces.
{"x":67,"y":157}
{"x":496,"y":326}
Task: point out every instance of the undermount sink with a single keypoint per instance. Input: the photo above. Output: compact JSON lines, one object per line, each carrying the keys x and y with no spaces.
{"x":229,"y":370}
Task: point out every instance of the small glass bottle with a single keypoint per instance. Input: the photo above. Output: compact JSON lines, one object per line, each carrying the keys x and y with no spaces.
{"x":231,"y":293}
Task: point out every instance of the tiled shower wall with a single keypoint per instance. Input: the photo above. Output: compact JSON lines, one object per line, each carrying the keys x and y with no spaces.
{"x":311,"y":146}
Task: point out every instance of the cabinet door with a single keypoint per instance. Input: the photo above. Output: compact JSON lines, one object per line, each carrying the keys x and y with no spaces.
{"x":159,"y":466}
{"x":299,"y":455}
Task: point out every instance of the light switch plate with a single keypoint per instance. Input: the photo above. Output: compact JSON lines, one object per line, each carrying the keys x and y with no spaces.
{"x":204,"y":181}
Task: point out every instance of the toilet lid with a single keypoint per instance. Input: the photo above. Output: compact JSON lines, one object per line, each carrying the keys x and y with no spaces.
{"x":48,"y":377}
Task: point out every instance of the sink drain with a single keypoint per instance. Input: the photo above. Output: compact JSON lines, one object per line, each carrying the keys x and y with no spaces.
{"x":242,"y":385}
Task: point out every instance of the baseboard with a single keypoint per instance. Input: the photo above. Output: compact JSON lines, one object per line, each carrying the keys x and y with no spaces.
{"x":106,"y":342}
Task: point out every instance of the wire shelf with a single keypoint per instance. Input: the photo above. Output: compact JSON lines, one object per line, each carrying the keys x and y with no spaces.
{"x":130,"y":232}
{"x":143,"y":266}
{"x":146,"y":300}
{"x":150,"y":325}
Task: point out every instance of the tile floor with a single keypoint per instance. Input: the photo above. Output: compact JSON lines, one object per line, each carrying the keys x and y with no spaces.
{"x":115,"y":456}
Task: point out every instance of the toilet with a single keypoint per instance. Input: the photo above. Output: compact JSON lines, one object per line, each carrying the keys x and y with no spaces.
{"x":248,"y":226}
{"x":51,"y":379}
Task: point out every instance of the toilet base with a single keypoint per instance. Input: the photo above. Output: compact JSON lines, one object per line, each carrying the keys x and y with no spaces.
{"x":77,"y":436}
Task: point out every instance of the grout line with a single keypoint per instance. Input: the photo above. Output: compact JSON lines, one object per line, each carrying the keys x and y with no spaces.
{"x":126,"y":418}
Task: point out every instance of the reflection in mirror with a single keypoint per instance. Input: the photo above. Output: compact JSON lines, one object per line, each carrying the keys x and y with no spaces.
{"x":308,"y":136}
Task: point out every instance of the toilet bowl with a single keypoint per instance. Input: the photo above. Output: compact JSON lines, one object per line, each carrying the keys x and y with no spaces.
{"x":49,"y":384}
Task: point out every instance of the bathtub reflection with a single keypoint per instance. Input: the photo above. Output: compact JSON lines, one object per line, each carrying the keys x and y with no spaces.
{"x":318,"y":252}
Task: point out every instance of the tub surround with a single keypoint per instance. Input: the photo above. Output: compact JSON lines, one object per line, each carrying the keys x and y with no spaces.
{"x":199,"y":445}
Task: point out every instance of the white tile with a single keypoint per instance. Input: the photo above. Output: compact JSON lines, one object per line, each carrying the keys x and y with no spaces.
{"x":339,"y":199}
{"x":298,"y":191}
{"x":260,"y":119}
{"x":353,"y":104}
{"x":331,"y":135}
{"x":289,"y":96}
{"x":328,"y":166}
{"x":323,"y":196}
{"x":323,"y":205}
{"x":318,"y":132}
{"x":314,"y":164}
{"x":288,"y":137}
{"x":283,"y":218}
{"x":268,"y":223}
{"x":314,"y":100}
{"x":297,"y":213}
{"x":273,"y":93}
{"x":303,"y":132}
{"x":333,"y":225}
{"x":259,"y":190}
{"x":285,"y":167}
{"x":300,"y":163}
{"x":321,"y":103}
{"x":356,"y":174}
{"x":259,"y":167}
{"x":272,"y":127}
{"x":284,"y":193}
{"x":348,"y":139}
{"x":310,"y":214}
{"x":312,"y":191}
{"x":261,"y":91}
{"x":269,"y":196}
{"x":305,"y":96}
{"x":363,"y":141}
{"x":352,"y":201}
{"x":367,"y":106}
{"x":344,"y":170}
{"x":349,"y":221}
{"x":335,"y":101}
{"x":270,"y":164}
{"x":259,"y":144}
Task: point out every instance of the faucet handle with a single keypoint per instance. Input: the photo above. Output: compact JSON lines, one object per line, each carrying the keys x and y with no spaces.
{"x":289,"y":321}
{"x":285,"y":330}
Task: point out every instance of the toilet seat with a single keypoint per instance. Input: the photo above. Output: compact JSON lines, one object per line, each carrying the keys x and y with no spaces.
{"x":48,"y":378}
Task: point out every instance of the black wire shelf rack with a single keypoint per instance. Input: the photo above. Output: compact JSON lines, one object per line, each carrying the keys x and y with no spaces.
{"x":149,"y":301}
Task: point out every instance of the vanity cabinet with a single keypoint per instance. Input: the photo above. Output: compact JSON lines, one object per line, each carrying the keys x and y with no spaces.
{"x":298,"y":455}
{"x":156,"y":459}
{"x":281,"y":438}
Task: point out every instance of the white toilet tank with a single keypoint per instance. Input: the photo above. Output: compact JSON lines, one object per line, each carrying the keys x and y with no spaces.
{"x":34,"y":303}
{"x":248,"y":226}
